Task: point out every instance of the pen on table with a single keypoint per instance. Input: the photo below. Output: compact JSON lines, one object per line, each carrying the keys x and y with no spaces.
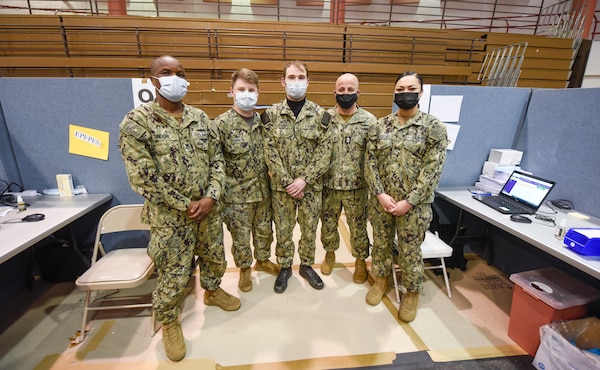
{"x":480,"y":193}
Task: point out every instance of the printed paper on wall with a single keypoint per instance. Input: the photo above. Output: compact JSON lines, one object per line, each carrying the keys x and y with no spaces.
{"x":88,"y":142}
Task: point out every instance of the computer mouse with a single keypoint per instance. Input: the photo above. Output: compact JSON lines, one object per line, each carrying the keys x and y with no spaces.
{"x":520,"y":218}
{"x":34,"y":217}
{"x":562,"y":204}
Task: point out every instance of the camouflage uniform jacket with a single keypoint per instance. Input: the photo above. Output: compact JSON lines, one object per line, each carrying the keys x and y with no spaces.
{"x":405,"y":160}
{"x":246,"y":174}
{"x":349,"y":143}
{"x":170,"y":163}
{"x":297,"y":147}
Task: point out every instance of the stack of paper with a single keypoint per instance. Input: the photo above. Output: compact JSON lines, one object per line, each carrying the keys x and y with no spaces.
{"x":497,"y":169}
{"x":489,"y":184}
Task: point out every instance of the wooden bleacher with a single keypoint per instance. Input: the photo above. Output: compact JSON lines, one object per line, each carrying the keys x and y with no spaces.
{"x":100,"y":46}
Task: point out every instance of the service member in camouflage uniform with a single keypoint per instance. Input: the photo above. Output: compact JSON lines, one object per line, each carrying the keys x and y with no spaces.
{"x":344,"y":184}
{"x":405,"y":156}
{"x":247,"y":196}
{"x":297,"y":151}
{"x":173,"y":160}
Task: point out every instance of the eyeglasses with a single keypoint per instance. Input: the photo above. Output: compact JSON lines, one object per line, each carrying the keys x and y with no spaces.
{"x":546,"y":219}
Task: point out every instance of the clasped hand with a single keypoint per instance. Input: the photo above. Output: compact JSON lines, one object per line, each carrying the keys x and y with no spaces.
{"x":390,"y":205}
{"x":296,"y":188}
{"x":198,"y":210}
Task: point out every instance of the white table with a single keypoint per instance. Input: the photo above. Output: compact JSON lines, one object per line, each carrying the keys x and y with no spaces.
{"x":536,"y":233}
{"x":59,"y":212}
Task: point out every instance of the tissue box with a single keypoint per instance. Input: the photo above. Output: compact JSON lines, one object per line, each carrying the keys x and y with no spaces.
{"x":65,"y":185}
{"x":505,"y":156}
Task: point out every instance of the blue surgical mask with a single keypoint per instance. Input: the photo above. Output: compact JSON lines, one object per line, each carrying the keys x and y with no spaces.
{"x":296,"y":89}
{"x":246,"y":100}
{"x":173,"y":88}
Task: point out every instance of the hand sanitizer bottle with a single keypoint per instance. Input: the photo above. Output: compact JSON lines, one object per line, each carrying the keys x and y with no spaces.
{"x":21,"y":204}
{"x":561,"y":229}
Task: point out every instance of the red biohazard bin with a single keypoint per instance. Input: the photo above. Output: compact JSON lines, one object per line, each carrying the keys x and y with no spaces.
{"x":543,"y":296}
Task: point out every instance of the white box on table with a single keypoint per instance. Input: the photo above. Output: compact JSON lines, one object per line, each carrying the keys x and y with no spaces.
{"x":505,"y":156}
{"x":65,"y":184}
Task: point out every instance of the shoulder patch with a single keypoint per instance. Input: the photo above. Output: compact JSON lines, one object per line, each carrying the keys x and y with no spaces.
{"x":326,"y":118}
{"x":264,"y":117}
{"x":134,"y":129}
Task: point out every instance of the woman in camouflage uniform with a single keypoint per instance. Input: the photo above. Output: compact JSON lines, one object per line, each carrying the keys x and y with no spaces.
{"x":405,"y":156}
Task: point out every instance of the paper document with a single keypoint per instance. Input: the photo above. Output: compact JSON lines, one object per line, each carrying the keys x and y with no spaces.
{"x":5,"y":210}
{"x":452,"y":130}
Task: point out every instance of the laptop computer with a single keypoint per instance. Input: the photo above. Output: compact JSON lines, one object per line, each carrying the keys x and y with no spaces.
{"x":521,"y":194}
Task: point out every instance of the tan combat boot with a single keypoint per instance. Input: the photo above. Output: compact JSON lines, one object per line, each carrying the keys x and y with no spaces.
{"x":408,"y":306}
{"x":378,"y":289}
{"x":173,"y":341}
{"x":360,"y":271}
{"x":268,"y":267}
{"x":245,"y":282}
{"x":221,"y":298}
{"x":327,"y":265}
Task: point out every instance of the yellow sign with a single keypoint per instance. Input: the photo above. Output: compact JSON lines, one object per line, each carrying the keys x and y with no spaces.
{"x":88,"y":142}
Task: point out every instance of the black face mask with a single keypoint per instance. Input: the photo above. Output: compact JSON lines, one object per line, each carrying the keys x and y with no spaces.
{"x":345,"y":101}
{"x":406,"y":100}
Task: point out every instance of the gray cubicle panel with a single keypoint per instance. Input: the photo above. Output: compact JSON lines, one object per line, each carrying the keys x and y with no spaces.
{"x":561,"y":138}
{"x":8,"y":167}
{"x":38,"y":112}
{"x":489,"y":118}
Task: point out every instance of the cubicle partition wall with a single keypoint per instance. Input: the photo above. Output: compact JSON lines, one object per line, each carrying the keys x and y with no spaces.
{"x":38,"y":113}
{"x":7,"y":159}
{"x":558,"y":131}
{"x":561,"y":139}
{"x":489,"y":118}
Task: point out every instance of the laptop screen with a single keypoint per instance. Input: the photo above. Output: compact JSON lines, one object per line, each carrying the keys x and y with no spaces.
{"x":527,"y":189}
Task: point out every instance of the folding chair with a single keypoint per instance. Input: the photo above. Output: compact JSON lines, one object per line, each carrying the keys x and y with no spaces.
{"x":432,"y":247}
{"x":118,"y":269}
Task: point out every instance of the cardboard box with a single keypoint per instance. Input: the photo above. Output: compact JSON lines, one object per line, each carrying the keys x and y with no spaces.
{"x":505,"y":156}
{"x":541,"y":297}
{"x":557,"y":352}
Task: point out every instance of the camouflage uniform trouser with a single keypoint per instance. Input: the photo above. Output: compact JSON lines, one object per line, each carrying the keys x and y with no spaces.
{"x":355,"y":207}
{"x":284,"y":215}
{"x":411,"y":230}
{"x":245,"y":220}
{"x":172,"y":249}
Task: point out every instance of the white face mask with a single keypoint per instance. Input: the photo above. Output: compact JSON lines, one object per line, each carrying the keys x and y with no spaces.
{"x":173,"y":88}
{"x":296,"y":89}
{"x":246,"y":100}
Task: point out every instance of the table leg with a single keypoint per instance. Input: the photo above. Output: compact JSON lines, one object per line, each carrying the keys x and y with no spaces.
{"x":85,"y":260}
